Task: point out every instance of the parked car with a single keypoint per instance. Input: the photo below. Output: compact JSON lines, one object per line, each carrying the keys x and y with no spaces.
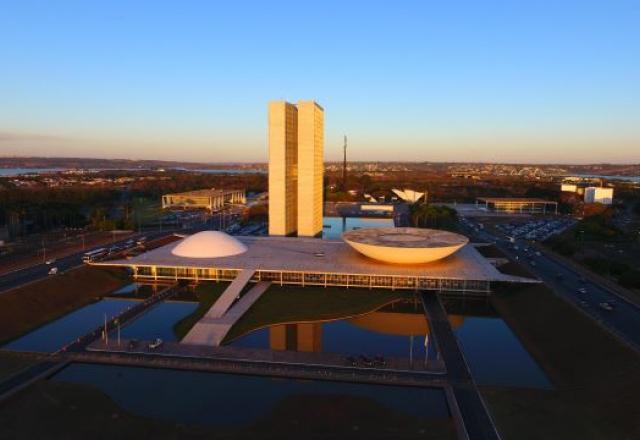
{"x":155,"y":344}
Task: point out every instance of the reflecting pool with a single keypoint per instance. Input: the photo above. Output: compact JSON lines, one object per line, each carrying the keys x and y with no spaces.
{"x":333,"y":227}
{"x":495,"y":355}
{"x":157,"y":322}
{"x":398,"y":330}
{"x":53,"y":336}
{"x":238,"y":401}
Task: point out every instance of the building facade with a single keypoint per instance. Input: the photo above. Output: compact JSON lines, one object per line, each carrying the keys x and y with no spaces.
{"x":296,"y":167}
{"x":283,"y":168}
{"x":594,"y":194}
{"x":310,"y":168}
{"x":210,"y":199}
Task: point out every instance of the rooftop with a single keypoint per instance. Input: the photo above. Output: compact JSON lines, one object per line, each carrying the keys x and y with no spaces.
{"x":405,"y":237}
{"x":513,"y":200}
{"x":209,"y":192}
{"x":313,"y":255}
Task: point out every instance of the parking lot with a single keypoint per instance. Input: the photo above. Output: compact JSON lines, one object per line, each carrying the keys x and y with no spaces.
{"x":537,"y":229}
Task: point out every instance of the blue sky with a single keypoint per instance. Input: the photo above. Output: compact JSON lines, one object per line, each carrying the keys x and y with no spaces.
{"x":538,"y":81}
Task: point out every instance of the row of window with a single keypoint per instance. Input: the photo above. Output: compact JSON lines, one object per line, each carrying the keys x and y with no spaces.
{"x":320,"y":279}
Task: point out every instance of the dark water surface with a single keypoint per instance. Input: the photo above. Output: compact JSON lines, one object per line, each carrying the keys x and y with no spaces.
{"x":53,"y":336}
{"x":157,"y":322}
{"x":231,"y":401}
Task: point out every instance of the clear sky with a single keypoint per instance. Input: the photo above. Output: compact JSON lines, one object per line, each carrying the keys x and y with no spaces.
{"x":517,"y":81}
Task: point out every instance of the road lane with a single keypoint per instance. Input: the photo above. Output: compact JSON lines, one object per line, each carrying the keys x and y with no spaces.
{"x":623,"y":321}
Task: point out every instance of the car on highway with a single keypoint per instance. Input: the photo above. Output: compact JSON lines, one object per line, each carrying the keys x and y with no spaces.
{"x":50,"y":261}
{"x":155,"y":344}
{"x":53,"y":271}
{"x":606,"y":306}
{"x":582,"y":290}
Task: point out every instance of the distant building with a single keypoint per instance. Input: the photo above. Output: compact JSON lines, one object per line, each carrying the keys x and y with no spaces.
{"x":210,"y":199}
{"x":568,"y":187}
{"x":517,"y":205}
{"x":296,"y":167}
{"x":409,"y":195}
{"x":594,"y":194}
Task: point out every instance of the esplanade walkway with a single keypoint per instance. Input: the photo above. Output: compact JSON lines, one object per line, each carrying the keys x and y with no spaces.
{"x":226,"y":311}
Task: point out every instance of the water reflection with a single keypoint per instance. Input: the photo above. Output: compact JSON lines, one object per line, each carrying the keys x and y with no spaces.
{"x":55,"y":335}
{"x":236,"y":401}
{"x":157,"y":322}
{"x":494,"y":353}
{"x":333,"y":227}
{"x":398,"y":330}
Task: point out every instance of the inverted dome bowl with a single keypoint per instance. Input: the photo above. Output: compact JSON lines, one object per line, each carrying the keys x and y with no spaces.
{"x":404,"y":245}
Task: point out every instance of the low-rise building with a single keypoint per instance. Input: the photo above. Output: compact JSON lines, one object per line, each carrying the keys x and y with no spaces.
{"x":594,"y":194}
{"x":210,"y":199}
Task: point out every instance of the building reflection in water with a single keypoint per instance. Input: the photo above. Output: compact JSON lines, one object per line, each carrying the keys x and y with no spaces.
{"x":296,"y":337}
{"x":402,"y":318}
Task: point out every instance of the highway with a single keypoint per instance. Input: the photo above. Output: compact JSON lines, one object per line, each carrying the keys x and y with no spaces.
{"x":623,"y":321}
{"x":22,"y":276}
{"x":38,"y":271}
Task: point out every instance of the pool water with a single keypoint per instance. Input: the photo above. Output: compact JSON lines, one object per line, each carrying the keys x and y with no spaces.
{"x":158,"y":322}
{"x":53,"y":336}
{"x":333,"y":227}
{"x":398,"y":330}
{"x":235,"y":401}
{"x":495,"y":355}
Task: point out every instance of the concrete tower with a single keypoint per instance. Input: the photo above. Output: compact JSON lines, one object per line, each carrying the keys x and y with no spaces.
{"x":283,"y":168}
{"x":296,"y":167}
{"x":310,"y":168}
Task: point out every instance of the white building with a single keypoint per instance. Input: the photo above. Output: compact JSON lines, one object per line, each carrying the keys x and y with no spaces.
{"x":595,"y":194}
{"x":409,"y":195}
{"x":569,"y":187}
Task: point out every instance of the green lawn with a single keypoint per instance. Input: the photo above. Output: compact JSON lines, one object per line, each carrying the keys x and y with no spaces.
{"x":207,"y":294}
{"x":281,"y":304}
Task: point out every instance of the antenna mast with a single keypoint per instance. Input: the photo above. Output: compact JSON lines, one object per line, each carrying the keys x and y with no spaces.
{"x":344,"y":165}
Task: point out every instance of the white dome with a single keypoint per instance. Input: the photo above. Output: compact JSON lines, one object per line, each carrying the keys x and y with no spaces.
{"x":209,"y":244}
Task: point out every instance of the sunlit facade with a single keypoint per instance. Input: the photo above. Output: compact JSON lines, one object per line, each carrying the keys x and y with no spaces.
{"x":296,"y":152}
{"x":283,"y":168}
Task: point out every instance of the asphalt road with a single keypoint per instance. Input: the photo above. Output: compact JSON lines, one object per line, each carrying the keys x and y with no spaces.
{"x":623,"y":320}
{"x":19,"y":277}
{"x":33,"y":273}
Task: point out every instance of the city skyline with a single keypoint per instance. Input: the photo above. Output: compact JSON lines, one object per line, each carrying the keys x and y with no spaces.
{"x":490,"y":83}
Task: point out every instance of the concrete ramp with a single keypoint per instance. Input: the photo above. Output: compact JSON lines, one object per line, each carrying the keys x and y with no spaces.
{"x":227,"y":298}
{"x":211,"y":331}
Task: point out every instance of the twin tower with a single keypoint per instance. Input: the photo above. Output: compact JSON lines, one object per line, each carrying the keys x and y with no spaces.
{"x":296,"y":154}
